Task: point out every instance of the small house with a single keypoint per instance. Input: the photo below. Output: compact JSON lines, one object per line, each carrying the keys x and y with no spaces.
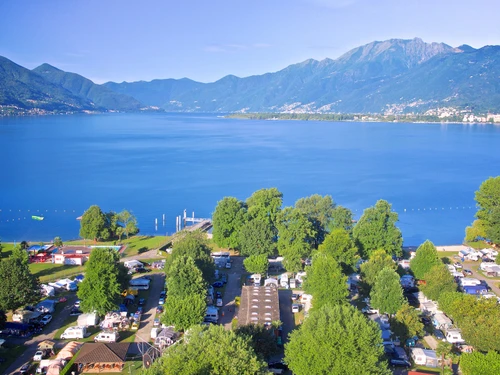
{"x":102,"y":357}
{"x":425,"y":357}
{"x":475,"y":289}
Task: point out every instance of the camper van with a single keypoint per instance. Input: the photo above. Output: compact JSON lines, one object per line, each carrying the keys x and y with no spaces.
{"x":212,"y":314}
{"x":284,"y":281}
{"x":453,"y":336}
{"x":293,"y":284}
{"x":106,"y":336}
{"x":74,"y":332}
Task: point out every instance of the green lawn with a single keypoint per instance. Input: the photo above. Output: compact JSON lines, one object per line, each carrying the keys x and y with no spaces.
{"x":6,"y":250}
{"x":135,"y":244}
{"x":478,"y":245}
{"x":48,"y":272}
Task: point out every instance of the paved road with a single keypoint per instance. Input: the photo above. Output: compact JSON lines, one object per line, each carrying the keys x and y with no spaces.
{"x":286,"y":315}
{"x":47,"y":334}
{"x":233,"y":289}
{"x":157,"y":284}
{"x":491,"y":282}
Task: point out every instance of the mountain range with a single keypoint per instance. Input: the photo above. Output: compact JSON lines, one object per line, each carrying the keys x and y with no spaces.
{"x":393,"y":76}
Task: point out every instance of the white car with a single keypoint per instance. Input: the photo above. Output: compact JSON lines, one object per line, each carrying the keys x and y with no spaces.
{"x":38,"y":356}
{"x":295,"y":308}
{"x":46,"y":319}
{"x":219,"y":302}
{"x":457,"y":265}
{"x":228,"y":265}
{"x":77,"y":304}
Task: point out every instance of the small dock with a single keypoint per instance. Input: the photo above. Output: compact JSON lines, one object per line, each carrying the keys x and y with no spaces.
{"x":203,"y":225}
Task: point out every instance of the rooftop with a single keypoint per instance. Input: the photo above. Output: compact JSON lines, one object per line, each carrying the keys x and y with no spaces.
{"x":259,"y":305}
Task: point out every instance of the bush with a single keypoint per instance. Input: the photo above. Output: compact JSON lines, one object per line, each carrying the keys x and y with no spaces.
{"x":234,"y":323}
{"x":237,"y":301}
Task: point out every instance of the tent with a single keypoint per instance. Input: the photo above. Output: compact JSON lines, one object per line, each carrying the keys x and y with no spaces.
{"x":46,"y":345}
{"x":69,"y":350}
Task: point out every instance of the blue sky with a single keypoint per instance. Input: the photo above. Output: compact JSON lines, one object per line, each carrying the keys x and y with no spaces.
{"x":111,"y":40}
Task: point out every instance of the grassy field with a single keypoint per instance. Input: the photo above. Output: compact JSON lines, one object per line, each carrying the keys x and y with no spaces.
{"x":48,"y":272}
{"x":135,"y":244}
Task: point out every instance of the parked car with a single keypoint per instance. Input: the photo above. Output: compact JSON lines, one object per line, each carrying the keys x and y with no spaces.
{"x":75,"y":311}
{"x":467,"y":272}
{"x":399,"y":363}
{"x":426,"y":320}
{"x":218,"y":295}
{"x":439,"y":335}
{"x":25,"y":368}
{"x":161,"y":301}
{"x":156,"y":322}
{"x":77,"y":304}
{"x":159,"y":309}
{"x":457,"y":265}
{"x":228,"y":265}
{"x":219,"y":302}
{"x":163,"y":294}
{"x":295,"y":296}
{"x":295,"y":308}
{"x":140,"y":310}
{"x":142,"y":270}
{"x":46,"y":319}
{"x":218,"y":284}
{"x":141,"y":302}
{"x":223,"y":278}
{"x":39,"y":355}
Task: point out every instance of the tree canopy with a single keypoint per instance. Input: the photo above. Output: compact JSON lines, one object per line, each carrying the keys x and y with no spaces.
{"x":319,"y":211}
{"x":262,"y":339}
{"x":256,"y":264}
{"x":341,"y":219}
{"x":296,"y":235}
{"x":184,"y":312}
{"x":336,"y":340}
{"x":340,"y":246}
{"x":426,"y":257}
{"x":376,"y":229}
{"x":477,"y":231}
{"x":387,"y":294}
{"x":265,"y":205}
{"x":479,"y":363}
{"x":438,"y":280}
{"x":209,"y":350}
{"x":256,"y":237}
{"x":19,"y":286}
{"x":193,"y":245}
{"x":100,"y":289}
{"x":93,"y":224}
{"x":229,"y":216}
{"x":406,"y":323}
{"x":325,"y":281}
{"x":378,"y":261}
{"x":488,"y":203}
{"x":58,"y":242}
{"x":127,"y":222}
{"x":184,"y":278}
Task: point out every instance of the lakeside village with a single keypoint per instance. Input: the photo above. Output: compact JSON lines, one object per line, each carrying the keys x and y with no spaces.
{"x":268,"y":291}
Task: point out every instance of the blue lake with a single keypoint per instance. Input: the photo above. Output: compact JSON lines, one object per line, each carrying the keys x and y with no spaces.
{"x":155,"y":164}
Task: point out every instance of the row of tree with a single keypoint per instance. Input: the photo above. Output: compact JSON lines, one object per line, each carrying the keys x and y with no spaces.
{"x":97,"y":225}
{"x":260,"y":226}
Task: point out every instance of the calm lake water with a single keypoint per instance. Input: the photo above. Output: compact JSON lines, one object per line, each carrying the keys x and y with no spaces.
{"x":155,"y":164}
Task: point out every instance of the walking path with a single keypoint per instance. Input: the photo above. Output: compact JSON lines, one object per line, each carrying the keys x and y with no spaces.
{"x":144,"y":332}
{"x":233,"y":289}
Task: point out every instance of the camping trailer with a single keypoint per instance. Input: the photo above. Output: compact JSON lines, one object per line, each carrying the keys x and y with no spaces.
{"x":74,"y":332}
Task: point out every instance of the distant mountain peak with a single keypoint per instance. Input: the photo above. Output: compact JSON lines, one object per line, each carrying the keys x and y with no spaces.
{"x":465,"y":48}
{"x":46,"y":68}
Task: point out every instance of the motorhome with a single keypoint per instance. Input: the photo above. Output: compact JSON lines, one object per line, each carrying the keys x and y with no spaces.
{"x":106,"y":336}
{"x":140,"y":283}
{"x":293,"y":284}
{"x":212,"y":314}
{"x":469,"y":281}
{"x":284,"y":281}
{"x":75,"y":332}
{"x":453,"y":336}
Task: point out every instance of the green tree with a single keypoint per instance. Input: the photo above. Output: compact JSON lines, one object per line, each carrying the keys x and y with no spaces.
{"x":100,"y":289}
{"x":24,"y":245}
{"x":376,"y":229}
{"x":341,"y":219}
{"x":19,"y":286}
{"x":21,"y":254}
{"x":265,"y":205}
{"x":478,"y":363}
{"x":477,"y":231}
{"x":325,"y":281}
{"x":443,"y":350}
{"x":319,"y":211}
{"x":256,"y":237}
{"x":378,"y":261}
{"x":438,"y":280}
{"x":229,"y":216}
{"x":295,"y":238}
{"x":336,"y":340}
{"x":193,"y":245}
{"x":3,"y":319}
{"x":488,"y":203}
{"x":93,"y":224}
{"x":406,"y":323}
{"x":256,"y":264}
{"x":184,"y":312}
{"x":426,"y":257}
{"x":387,"y":294}
{"x":128,"y":222}
{"x":262,"y":339}
{"x":185,"y":279}
{"x":340,"y":246}
{"x":209,"y":351}
{"x":58,"y":242}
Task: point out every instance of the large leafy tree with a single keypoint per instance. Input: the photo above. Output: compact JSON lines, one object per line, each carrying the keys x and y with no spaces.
{"x":342,"y":218}
{"x":438,"y":280}
{"x":336,"y":340}
{"x":488,"y":202}
{"x":256,"y":264}
{"x":295,"y":237}
{"x":209,"y":351}
{"x":256,"y":237}
{"x":228,"y":218}
{"x":406,"y":323}
{"x":387,"y":294}
{"x":319,"y":211}
{"x":376,"y":229}
{"x":128,"y":222}
{"x":426,"y":257}
{"x":262,"y":339}
{"x":93,"y":224}
{"x":100,"y":289}
{"x":19,"y":253}
{"x":19,"y":286}
{"x":185,"y":279}
{"x":477,"y":231}
{"x":378,"y":261}
{"x":193,"y":245}
{"x":325,"y":281}
{"x":479,"y":363}
{"x":265,"y":205}
{"x":184,"y":312}
{"x":340,"y":246}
